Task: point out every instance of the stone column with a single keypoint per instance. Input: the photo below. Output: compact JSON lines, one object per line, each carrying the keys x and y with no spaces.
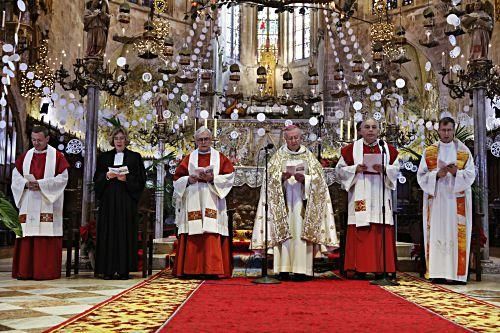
{"x":159,"y":193}
{"x":480,"y":159}
{"x":89,"y":160}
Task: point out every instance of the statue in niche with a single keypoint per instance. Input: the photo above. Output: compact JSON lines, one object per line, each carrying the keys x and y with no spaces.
{"x":479,"y":24}
{"x":96,"y":23}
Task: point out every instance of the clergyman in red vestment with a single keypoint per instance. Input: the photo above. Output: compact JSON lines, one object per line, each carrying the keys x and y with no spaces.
{"x":38,"y":184}
{"x":202,"y":181}
{"x":363,"y":249}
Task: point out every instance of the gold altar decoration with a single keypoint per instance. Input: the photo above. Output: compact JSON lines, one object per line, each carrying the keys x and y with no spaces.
{"x":268,"y":61}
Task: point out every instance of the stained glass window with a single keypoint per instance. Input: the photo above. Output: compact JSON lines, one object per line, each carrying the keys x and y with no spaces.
{"x":391,"y":4}
{"x":267,"y":31}
{"x":299,"y":35}
{"x":231,"y":27}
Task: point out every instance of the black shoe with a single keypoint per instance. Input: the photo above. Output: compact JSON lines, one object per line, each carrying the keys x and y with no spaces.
{"x":301,"y":277}
{"x":438,"y":281}
{"x":123,"y":276}
{"x":359,"y":276}
{"x":456,"y":283}
{"x":107,"y":277}
{"x":379,"y":276}
{"x":284,"y":276}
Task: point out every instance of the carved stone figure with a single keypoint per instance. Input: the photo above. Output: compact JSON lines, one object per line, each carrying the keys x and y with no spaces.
{"x":96,"y":24}
{"x":479,"y":25}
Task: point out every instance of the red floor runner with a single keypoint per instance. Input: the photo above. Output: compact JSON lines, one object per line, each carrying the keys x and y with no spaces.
{"x":237,"y":305}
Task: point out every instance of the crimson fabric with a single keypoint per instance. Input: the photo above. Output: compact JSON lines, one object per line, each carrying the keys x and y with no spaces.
{"x":237,"y":305}
{"x":363,"y":249}
{"x":348,"y":152}
{"x":203,"y":254}
{"x":37,"y":167}
{"x":37,"y":258}
{"x":226,"y":167}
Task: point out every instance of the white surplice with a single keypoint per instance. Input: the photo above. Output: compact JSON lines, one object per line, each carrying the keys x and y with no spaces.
{"x":46,"y":204}
{"x":367,"y":188}
{"x":440,"y":211}
{"x":201,"y":207}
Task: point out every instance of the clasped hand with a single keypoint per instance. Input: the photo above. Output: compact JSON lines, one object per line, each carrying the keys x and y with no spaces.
{"x":207,"y":177}
{"x":298,"y":176}
{"x":451,"y":168}
{"x":33,"y":186}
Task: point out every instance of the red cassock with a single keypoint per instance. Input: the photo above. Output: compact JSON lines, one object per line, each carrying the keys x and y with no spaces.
{"x":209,"y":253}
{"x":363,"y":249}
{"x":38,"y":257}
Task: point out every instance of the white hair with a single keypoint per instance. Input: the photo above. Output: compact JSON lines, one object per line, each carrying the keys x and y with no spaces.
{"x":201,"y":130}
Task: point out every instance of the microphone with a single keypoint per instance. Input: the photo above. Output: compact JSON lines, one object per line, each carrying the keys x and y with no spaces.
{"x":382,"y":145}
{"x":268,"y":146}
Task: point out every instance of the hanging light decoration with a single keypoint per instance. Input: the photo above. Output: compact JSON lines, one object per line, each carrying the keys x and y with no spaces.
{"x":234,"y":69}
{"x":35,"y":79}
{"x":429,"y":39}
{"x":287,"y":78}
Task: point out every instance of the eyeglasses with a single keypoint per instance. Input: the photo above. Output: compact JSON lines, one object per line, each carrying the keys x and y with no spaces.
{"x":207,"y":139}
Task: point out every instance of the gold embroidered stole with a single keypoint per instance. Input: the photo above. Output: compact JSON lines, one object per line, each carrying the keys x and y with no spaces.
{"x":431,"y":159}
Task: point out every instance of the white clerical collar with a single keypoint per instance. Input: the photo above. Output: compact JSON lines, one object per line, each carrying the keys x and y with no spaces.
{"x":40,"y":151}
{"x":300,"y":151}
{"x":373,"y":144}
{"x":118,"y":158}
{"x":204,"y":152}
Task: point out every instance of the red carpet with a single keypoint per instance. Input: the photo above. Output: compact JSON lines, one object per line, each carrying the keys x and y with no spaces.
{"x":237,"y":305}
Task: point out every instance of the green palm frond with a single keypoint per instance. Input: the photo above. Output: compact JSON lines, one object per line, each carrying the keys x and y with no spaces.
{"x":9,"y":216}
{"x":114,"y":121}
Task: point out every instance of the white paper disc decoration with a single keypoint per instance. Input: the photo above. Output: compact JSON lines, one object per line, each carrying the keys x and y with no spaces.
{"x":261,"y":117}
{"x":357,"y":105}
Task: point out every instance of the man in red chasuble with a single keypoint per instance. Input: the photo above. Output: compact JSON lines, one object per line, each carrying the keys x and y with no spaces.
{"x":38,"y":183}
{"x":202,"y":181}
{"x":363,"y":182}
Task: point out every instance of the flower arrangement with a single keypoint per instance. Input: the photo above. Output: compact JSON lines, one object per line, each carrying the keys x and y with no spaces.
{"x":88,"y":236}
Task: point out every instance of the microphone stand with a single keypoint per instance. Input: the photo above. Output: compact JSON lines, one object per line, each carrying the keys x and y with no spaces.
{"x":384,"y":281}
{"x":265,"y":279}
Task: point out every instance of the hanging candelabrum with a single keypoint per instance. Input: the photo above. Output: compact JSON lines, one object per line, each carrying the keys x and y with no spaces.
{"x":480,"y":73}
{"x":91,"y":72}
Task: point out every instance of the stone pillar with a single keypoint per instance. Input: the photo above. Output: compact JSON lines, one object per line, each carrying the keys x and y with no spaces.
{"x":89,"y":160}
{"x":480,"y":159}
{"x":159,"y":193}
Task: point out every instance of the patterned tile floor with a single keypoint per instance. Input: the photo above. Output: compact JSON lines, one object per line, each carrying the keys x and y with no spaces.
{"x":33,"y":306}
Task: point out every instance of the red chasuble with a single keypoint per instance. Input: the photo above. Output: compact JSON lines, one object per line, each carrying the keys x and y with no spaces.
{"x":38,"y":257}
{"x":363,"y":248}
{"x":208,"y":253}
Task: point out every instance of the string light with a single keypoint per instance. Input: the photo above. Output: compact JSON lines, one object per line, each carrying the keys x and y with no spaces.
{"x":30,"y":85}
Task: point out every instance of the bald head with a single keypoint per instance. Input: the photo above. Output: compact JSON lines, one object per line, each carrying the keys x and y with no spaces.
{"x":370,"y":130}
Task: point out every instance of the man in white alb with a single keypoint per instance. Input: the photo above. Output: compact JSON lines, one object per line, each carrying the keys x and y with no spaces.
{"x":446,"y":174}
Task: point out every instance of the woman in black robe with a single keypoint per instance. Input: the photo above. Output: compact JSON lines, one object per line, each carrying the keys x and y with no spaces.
{"x":118,"y":195}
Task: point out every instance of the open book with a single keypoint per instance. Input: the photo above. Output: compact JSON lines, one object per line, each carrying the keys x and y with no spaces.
{"x":295,"y":168}
{"x":206,"y":170}
{"x":369,"y":160}
{"x":123,"y":170}
{"x":29,"y":177}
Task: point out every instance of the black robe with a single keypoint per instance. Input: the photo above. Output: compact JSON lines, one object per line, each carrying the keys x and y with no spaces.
{"x":117,"y":222}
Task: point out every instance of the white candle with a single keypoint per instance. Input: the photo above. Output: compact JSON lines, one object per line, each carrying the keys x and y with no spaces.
{"x":355,"y":132}
{"x":206,"y":122}
{"x":215,"y":128}
{"x":348,"y":130}
{"x":3,"y":19}
{"x":341,"y":129}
